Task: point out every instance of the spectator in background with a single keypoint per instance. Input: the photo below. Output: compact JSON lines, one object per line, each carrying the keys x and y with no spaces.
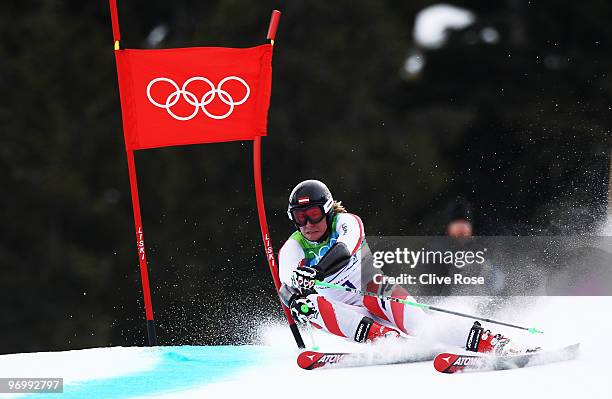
{"x":459,"y":219}
{"x":459,"y":228}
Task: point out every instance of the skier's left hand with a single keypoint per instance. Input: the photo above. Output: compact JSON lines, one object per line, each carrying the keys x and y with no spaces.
{"x":303,"y":310}
{"x":304,"y":278}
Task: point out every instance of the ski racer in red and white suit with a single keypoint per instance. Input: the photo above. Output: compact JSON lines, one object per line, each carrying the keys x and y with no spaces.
{"x":329,"y":245}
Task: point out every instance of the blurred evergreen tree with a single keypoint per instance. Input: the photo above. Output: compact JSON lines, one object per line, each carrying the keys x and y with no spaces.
{"x":520,"y":126}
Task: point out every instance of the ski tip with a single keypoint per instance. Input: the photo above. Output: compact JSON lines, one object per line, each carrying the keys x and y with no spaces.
{"x":444,"y":362}
{"x":572,"y":349}
{"x":308,"y":359}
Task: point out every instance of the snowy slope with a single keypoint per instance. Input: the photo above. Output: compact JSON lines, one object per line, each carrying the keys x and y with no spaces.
{"x":269,"y":370}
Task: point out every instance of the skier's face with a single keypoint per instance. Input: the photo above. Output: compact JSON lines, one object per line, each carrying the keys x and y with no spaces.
{"x":314,"y":231}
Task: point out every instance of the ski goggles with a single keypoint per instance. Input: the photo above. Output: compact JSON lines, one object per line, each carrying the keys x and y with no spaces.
{"x":301,"y":216}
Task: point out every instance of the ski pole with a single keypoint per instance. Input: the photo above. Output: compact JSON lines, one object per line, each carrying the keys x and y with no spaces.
{"x":532,"y":330}
{"x":310,"y":328}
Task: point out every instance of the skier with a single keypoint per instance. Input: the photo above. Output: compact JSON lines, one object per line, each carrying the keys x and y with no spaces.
{"x":329,"y":245}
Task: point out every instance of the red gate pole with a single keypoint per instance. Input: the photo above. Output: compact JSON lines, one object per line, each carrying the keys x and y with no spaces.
{"x":261,"y":209}
{"x":263,"y":223}
{"x":142,"y":258}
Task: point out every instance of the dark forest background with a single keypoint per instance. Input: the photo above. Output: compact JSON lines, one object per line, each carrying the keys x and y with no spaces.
{"x":519,"y":126}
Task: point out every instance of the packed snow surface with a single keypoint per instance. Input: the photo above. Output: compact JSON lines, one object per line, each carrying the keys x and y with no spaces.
{"x":269,"y":370}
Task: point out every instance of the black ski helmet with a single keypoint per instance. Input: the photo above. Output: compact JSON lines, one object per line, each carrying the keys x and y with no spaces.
{"x":308,"y":193}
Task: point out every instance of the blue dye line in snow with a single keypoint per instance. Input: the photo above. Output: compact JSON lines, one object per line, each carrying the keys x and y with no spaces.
{"x":180,"y":368}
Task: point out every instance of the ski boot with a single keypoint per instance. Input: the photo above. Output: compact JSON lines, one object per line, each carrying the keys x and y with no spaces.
{"x":370,"y":331}
{"x":483,"y":341}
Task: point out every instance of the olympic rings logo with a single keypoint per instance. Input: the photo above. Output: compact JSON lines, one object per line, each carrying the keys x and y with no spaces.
{"x":193,"y":100}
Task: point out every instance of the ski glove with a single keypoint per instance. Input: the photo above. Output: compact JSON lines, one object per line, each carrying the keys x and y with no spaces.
{"x":303,"y":310}
{"x":303,"y":278}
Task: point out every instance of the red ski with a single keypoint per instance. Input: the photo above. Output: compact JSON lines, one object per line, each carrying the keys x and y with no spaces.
{"x":454,"y":363}
{"x":309,"y":360}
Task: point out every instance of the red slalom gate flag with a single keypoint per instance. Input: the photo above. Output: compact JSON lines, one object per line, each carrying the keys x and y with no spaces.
{"x":194,"y":95}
